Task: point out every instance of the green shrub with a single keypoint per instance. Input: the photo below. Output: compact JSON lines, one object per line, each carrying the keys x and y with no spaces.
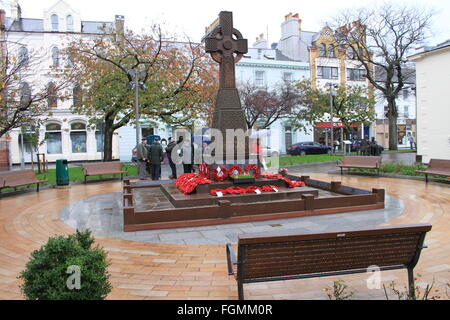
{"x":49,"y":275}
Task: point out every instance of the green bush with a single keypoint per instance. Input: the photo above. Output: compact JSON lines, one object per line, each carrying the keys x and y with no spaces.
{"x":49,"y":275}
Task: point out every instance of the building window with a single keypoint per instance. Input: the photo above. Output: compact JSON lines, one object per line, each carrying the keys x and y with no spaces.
{"x":25,"y":94}
{"x":406,"y":112}
{"x":259,"y":78}
{"x":331,"y":53}
{"x":53,"y":138}
{"x":322,"y":50}
{"x":100,"y":136}
{"x":405,"y":93}
{"x":78,"y":137}
{"x":76,"y":95}
{"x":350,"y":53}
{"x":23,"y":56}
{"x":55,"y":23}
{"x":69,"y":23}
{"x":356,"y":74}
{"x":327,"y":72}
{"x":287,"y":76}
{"x":52,"y":98}
{"x":55,"y":56}
{"x":360,"y":52}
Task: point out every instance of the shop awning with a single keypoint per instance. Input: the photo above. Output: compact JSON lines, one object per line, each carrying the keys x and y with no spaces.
{"x":335,"y":125}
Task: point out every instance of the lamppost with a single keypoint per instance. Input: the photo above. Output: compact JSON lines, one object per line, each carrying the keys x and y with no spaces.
{"x":135,"y":84}
{"x":332,"y":93}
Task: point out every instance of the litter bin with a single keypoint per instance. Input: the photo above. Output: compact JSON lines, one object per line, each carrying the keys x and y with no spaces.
{"x":62,"y":172}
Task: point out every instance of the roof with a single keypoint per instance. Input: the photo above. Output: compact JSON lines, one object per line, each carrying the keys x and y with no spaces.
{"x":427,"y":49}
{"x":94,"y":26}
{"x":409,"y":75}
{"x":37,"y":25}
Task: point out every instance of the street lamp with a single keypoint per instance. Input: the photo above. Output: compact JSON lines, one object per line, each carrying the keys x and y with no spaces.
{"x":135,"y":84}
{"x":332,"y":93}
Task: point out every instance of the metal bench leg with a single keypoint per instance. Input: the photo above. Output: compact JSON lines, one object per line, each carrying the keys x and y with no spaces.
{"x":411,"y":286}
{"x":37,"y":187}
{"x":426,"y":178}
{"x":85,"y":179}
{"x":342,"y":172}
{"x":240,"y":286}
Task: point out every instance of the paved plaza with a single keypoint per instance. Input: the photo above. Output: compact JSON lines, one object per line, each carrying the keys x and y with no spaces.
{"x":183,"y":264}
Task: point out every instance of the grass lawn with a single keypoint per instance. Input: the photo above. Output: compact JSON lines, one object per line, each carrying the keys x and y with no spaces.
{"x":394,"y":168}
{"x":400,"y":169}
{"x":295,"y":160}
{"x":401,"y":150}
{"x":76,"y":174}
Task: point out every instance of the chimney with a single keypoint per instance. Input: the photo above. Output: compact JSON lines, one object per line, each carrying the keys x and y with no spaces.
{"x":260,"y":42}
{"x":120,"y":24}
{"x":2,"y":20}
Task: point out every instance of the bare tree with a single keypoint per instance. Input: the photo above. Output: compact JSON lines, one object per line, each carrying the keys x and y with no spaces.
{"x":263,"y":107}
{"x":383,"y":37}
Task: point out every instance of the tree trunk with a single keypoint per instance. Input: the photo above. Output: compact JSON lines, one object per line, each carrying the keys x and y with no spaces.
{"x":392,"y":116}
{"x":108,"y":139}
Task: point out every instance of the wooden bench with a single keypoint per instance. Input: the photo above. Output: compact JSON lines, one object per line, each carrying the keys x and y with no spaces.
{"x":365,"y":162}
{"x":437,"y":167}
{"x":17,"y":178}
{"x":302,"y":256}
{"x":101,"y":168}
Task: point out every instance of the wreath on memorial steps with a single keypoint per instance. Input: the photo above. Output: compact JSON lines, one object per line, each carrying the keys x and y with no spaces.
{"x":235,"y":170}
{"x":187,"y":182}
{"x":220,"y":173}
{"x":290,"y":183}
{"x":254,"y":168}
{"x":204,"y":170}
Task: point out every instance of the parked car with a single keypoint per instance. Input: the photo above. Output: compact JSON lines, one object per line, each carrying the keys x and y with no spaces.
{"x":308,"y":147}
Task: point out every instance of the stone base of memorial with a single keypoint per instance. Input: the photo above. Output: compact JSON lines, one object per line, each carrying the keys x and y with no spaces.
{"x":201,"y":208}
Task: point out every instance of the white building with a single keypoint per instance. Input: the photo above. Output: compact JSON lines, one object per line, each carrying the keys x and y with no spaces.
{"x":433,"y":107}
{"x":64,"y":134}
{"x":269,"y":73}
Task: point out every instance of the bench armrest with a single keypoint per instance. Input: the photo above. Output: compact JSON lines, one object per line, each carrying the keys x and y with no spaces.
{"x":231,"y":258}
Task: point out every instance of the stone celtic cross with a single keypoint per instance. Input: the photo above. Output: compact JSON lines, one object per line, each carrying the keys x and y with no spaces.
{"x":226,"y":46}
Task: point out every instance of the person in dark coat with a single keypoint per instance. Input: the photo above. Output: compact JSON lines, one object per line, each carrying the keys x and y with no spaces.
{"x":156,"y":157}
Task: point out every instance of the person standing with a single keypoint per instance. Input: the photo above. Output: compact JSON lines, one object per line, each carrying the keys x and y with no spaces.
{"x":142,"y":158}
{"x":411,"y":140}
{"x":173,"y":166}
{"x":156,"y":157}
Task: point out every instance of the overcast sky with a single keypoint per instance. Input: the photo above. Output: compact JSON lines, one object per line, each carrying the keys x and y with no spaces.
{"x":190,"y":17}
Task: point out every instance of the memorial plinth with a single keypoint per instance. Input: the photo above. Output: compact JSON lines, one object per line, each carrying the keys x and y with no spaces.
{"x":174,"y":209}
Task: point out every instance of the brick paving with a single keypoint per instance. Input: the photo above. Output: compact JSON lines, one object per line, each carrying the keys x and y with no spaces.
{"x":142,"y":270}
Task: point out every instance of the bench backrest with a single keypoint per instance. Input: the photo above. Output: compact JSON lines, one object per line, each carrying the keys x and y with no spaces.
{"x":362,"y":160}
{"x":102,"y":166}
{"x":266,"y":257}
{"x":439,"y":164}
{"x":14,"y":176}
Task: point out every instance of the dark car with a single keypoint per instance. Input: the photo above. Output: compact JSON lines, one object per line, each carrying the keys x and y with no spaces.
{"x":308,"y":147}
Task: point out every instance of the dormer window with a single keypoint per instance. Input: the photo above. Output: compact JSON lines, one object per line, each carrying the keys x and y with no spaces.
{"x":55,"y":23}
{"x":322,"y":51}
{"x":331,"y":51}
{"x":69,"y":23}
